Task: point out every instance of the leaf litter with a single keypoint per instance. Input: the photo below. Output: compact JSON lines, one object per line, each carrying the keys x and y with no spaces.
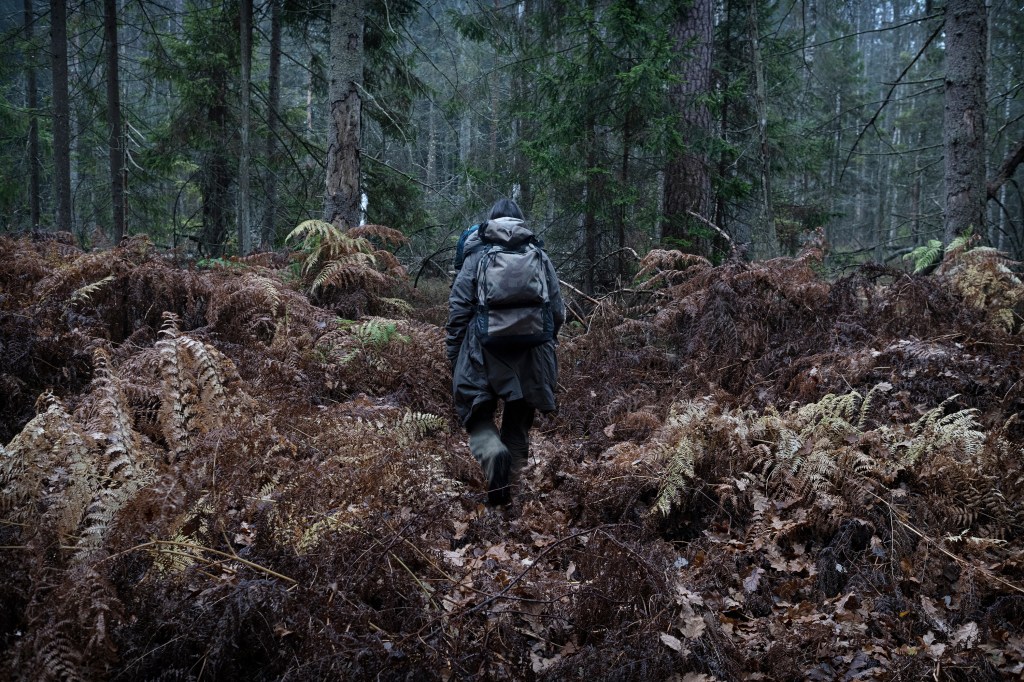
{"x":754,"y":474}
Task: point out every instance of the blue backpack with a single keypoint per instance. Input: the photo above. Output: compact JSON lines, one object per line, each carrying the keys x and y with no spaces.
{"x":460,"y":248}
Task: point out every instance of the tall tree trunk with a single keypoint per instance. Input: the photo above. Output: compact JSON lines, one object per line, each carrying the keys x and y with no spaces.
{"x":720,"y":216}
{"x":269,"y":232}
{"x":245,"y":40}
{"x":116,"y":145}
{"x":465,"y":148}
{"x":216,"y":179}
{"x":216,"y":174}
{"x":764,"y":241}
{"x":522,"y":126}
{"x":590,"y":234}
{"x":32,"y":103}
{"x":687,"y":180}
{"x":342,"y":202}
{"x":431,"y":146}
{"x":624,"y":185}
{"x":61,"y":114}
{"x":964,"y":117}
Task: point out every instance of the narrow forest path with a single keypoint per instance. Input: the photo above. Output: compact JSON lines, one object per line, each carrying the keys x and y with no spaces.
{"x":753,"y":474}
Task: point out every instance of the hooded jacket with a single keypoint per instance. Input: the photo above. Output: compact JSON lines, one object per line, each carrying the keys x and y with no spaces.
{"x":481,"y":375}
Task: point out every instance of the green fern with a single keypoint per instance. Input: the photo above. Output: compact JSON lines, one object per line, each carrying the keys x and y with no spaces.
{"x":961,"y":241}
{"x":377,"y":333}
{"x":925,"y":255}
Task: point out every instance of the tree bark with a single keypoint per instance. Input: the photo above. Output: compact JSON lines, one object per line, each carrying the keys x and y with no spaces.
{"x":342,"y":201}
{"x":216,"y":173}
{"x":116,"y":146}
{"x":593,"y":196}
{"x":61,"y":114}
{"x":687,"y":180}
{"x":763,"y":237}
{"x":32,"y":103}
{"x":964,"y":117}
{"x":269,"y":232}
{"x":522,"y":125}
{"x":245,"y":40}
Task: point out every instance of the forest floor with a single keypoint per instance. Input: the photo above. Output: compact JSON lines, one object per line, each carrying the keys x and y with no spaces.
{"x":755,"y":473}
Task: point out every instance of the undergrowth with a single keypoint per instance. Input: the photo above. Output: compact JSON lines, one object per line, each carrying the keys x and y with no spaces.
{"x":254,"y":472}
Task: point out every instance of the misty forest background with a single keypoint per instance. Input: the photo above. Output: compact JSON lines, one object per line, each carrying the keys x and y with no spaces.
{"x":618,"y":125}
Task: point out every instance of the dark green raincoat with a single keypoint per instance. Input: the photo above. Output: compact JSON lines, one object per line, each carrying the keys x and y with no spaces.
{"x":482,"y":375}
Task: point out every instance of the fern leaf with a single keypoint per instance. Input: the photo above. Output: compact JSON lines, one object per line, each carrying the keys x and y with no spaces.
{"x":314,"y":229}
{"x":355,"y":270}
{"x":389,"y":236}
{"x":83,"y":294}
{"x":925,"y":255}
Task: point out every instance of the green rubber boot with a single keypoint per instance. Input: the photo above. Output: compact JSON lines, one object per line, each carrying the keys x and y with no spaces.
{"x":495,"y":459}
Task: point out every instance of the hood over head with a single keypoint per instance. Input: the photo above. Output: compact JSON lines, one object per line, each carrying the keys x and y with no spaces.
{"x":506,"y":232}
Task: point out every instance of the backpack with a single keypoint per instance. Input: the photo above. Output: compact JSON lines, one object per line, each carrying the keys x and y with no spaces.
{"x":460,"y":248}
{"x":513,"y":298}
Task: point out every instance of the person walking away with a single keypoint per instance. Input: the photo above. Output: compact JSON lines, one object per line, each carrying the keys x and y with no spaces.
{"x":504,"y":314}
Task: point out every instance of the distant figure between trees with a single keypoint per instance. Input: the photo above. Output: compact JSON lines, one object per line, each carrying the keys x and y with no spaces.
{"x":504,"y":314}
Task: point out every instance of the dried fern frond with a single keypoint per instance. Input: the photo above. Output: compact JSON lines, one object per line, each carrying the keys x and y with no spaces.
{"x":397,"y":306}
{"x":120,"y":471}
{"x":83,"y":294}
{"x":984,"y":278}
{"x":114,"y":423}
{"x":270,"y":290}
{"x":389,"y":236}
{"x":87,"y":269}
{"x":414,"y":426}
{"x":194,"y":398}
{"x":179,"y":412}
{"x":179,"y":554}
{"x":47,"y":443}
{"x":354,"y":271}
{"x":682,"y":446}
{"x":660,"y":267}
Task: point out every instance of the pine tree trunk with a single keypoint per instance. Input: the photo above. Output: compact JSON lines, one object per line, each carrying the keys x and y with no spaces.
{"x":590,"y":235}
{"x":216,"y":175}
{"x":687,"y":180}
{"x":522,"y":126}
{"x":964,"y":118}
{"x":764,"y":240}
{"x":61,"y":114}
{"x":32,"y":103}
{"x":116,"y":146}
{"x":269,"y":231}
{"x":245,"y":39}
{"x":342,"y":202}
{"x":624,"y":184}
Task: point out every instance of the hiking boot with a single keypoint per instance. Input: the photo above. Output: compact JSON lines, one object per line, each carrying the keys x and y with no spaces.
{"x":495,"y":459}
{"x":515,"y":431}
{"x":498,"y":470}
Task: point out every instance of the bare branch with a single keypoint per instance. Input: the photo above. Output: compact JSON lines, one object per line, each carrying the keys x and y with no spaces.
{"x":888,"y":96}
{"x":1006,"y":169}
